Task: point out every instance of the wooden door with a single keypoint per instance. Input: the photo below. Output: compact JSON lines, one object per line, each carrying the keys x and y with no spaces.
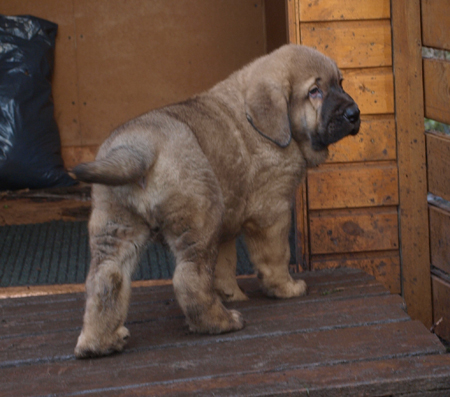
{"x":367,"y":206}
{"x":347,"y":211}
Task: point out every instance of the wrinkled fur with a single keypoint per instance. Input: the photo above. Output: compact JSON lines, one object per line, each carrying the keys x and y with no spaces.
{"x":198,"y":173}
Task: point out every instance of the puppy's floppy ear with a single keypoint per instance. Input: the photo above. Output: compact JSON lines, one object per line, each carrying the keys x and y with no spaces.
{"x":266,"y":107}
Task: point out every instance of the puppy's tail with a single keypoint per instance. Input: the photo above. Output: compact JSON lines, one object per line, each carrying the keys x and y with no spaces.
{"x":121,"y":165}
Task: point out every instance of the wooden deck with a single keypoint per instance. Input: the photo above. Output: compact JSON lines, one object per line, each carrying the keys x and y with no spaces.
{"x":347,"y":337}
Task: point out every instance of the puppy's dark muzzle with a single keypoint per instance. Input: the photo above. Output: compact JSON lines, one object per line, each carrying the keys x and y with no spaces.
{"x":352,"y":114}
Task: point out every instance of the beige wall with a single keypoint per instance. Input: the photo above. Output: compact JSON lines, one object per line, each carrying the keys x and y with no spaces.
{"x":117,"y":59}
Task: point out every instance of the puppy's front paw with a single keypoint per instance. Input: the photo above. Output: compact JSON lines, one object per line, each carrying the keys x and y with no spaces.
{"x":290,"y":289}
{"x":217,"y":322}
{"x":102,"y":346}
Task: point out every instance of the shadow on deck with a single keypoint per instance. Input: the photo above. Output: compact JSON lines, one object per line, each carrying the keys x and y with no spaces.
{"x":349,"y":336}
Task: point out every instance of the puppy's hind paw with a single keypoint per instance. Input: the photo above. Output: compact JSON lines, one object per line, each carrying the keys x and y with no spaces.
{"x":102,"y":346}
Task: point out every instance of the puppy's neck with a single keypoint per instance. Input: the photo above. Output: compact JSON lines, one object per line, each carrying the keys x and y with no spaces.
{"x":313,"y":157}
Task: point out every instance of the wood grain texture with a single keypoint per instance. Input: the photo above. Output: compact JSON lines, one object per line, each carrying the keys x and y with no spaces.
{"x":440,"y":239}
{"x":352,"y":185}
{"x":441,"y":304}
{"x":333,"y":10}
{"x":352,"y":44}
{"x":376,"y":140}
{"x":436,"y":74}
{"x":411,"y":153}
{"x":383,"y":265}
{"x":324,"y":343}
{"x":292,"y":7}
{"x":436,"y":24}
{"x":359,"y":230}
{"x":438,"y":165}
{"x":372,"y":89}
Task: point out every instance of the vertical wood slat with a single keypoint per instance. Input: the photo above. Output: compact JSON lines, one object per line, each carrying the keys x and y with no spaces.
{"x":438,"y":164}
{"x":440,"y":239}
{"x":436,"y":75}
{"x":413,"y":207}
{"x":441,"y":304}
{"x":436,"y":24}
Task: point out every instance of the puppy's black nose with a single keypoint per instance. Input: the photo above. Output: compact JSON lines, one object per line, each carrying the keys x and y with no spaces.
{"x":352,"y":113}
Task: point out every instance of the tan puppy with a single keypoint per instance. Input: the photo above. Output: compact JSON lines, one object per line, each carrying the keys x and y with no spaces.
{"x":198,"y":173}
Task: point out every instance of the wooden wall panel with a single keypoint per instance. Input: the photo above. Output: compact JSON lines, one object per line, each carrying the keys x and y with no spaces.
{"x":353,"y":44}
{"x":142,"y":55}
{"x":383,"y":265}
{"x":65,"y":93}
{"x":372,"y":89}
{"x":441,"y":303}
{"x":438,"y":164}
{"x":437,"y":85}
{"x":351,"y":218}
{"x":331,"y":10}
{"x":356,"y":230}
{"x":376,"y":140}
{"x":436,"y":24}
{"x":440,"y":238}
{"x":353,"y":185}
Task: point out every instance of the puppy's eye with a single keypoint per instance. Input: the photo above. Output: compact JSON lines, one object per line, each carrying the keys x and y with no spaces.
{"x":315,"y":92}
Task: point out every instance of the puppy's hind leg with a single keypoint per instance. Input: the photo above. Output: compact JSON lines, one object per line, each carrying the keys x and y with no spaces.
{"x":115,"y":247}
{"x":225,"y":274}
{"x":270,"y":254}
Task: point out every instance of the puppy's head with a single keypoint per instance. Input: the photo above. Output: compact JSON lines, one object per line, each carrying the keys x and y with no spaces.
{"x":298,"y":94}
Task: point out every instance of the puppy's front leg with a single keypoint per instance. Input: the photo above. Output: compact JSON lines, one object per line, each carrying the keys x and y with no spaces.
{"x":270,"y":254}
{"x":193,"y":239}
{"x":225,"y":274}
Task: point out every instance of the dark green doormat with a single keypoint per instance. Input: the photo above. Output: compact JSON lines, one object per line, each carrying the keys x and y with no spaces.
{"x":58,"y":253}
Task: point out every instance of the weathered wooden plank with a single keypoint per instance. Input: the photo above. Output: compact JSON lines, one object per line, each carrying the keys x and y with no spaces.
{"x":170,"y":330}
{"x":436,"y":76}
{"x":441,"y":307}
{"x":376,"y":140}
{"x":390,"y":377}
{"x":413,"y":209}
{"x":43,"y":320}
{"x":438,"y":165}
{"x":339,"y":231}
{"x":24,"y":211}
{"x":332,"y":10}
{"x":384,"y":266}
{"x":352,"y":185}
{"x":440,"y":238}
{"x":372,"y":89}
{"x":164,"y":292}
{"x":436,"y":24}
{"x":352,"y":44}
{"x":258,"y":354}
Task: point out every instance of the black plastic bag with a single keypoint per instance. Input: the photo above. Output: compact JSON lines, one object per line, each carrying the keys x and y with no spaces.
{"x":30,"y":146}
